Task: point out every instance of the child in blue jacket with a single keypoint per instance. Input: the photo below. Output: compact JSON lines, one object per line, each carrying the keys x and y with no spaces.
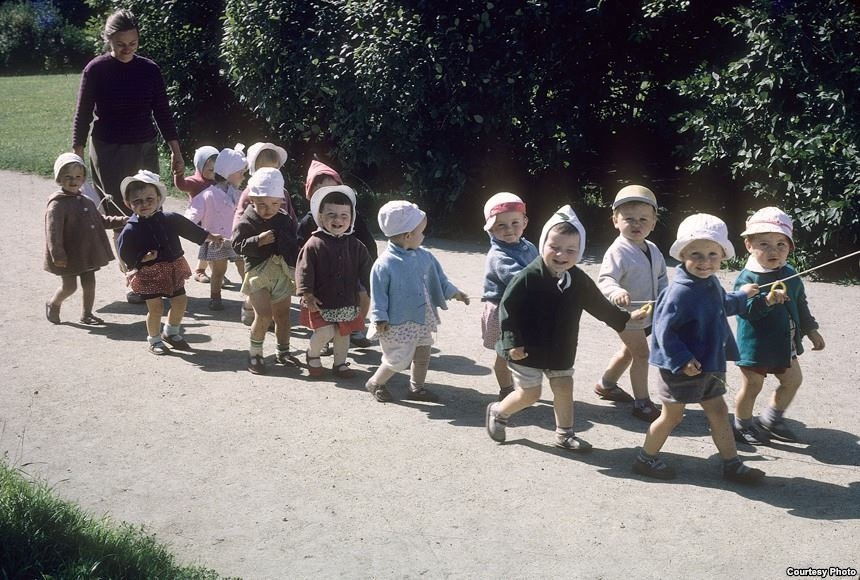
{"x":690,"y":344}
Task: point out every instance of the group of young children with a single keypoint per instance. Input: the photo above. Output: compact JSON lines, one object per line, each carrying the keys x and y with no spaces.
{"x":534,"y":296}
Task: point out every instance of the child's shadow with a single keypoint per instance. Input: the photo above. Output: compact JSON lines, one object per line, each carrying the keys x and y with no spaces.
{"x":800,"y":496}
{"x":459,"y":365}
{"x":829,"y":446}
{"x":458,"y":406}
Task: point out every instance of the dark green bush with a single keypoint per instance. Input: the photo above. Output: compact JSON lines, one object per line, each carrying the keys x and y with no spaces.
{"x":35,"y":37}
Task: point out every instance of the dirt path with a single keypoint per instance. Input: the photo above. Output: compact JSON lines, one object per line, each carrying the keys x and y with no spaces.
{"x":285,"y":477}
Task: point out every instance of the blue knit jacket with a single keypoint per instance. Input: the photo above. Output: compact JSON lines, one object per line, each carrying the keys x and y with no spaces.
{"x":503,"y":261}
{"x":397,"y":282}
{"x":690,"y":322}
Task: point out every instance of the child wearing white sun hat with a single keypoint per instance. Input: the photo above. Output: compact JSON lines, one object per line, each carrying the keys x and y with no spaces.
{"x":407,"y":285}
{"x":770,"y":328}
{"x":690,"y":344}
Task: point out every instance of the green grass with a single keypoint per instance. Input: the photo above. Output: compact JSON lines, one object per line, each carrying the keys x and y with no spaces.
{"x":44,"y":537}
{"x":36,"y":121}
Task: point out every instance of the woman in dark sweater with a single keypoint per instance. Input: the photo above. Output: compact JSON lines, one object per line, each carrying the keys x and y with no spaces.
{"x":119,"y":96}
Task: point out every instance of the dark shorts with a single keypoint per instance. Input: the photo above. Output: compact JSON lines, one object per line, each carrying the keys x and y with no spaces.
{"x":679,"y":388}
{"x":765,"y":371}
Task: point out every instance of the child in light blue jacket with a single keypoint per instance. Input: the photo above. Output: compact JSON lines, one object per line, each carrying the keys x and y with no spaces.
{"x":407,"y":285}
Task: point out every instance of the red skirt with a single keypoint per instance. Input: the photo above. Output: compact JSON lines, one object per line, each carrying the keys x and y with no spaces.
{"x":314,"y":320}
{"x":160,"y":279}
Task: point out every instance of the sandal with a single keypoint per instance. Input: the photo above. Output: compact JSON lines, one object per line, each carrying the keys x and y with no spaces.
{"x":52,"y":313}
{"x":379,"y":392}
{"x":158,"y":348}
{"x":90,"y":319}
{"x":422,"y":394}
{"x":314,"y":371}
{"x":343,"y":371}
{"x":285,"y":359}
{"x":200,"y":276}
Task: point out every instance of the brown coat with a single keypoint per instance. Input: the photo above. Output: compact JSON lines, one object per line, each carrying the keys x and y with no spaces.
{"x":75,"y":232}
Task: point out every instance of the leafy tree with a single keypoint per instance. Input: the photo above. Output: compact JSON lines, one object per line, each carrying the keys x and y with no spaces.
{"x":782,"y":115}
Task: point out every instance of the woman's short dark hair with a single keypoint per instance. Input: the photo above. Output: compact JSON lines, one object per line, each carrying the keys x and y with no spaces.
{"x":119,"y":21}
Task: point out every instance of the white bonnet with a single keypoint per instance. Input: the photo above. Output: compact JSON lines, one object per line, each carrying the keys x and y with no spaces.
{"x":564,"y":214}
{"x":63,"y":160}
{"x":229,"y":161}
{"x":202,"y":155}
{"x":320,"y":194}
{"x":257,"y":148}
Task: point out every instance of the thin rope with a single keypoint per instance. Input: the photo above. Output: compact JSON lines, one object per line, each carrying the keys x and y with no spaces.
{"x":810,"y":270}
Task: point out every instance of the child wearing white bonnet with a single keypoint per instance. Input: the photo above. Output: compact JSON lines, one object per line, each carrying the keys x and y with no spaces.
{"x":265,"y":237}
{"x":407,"y":285}
{"x":770,"y":329}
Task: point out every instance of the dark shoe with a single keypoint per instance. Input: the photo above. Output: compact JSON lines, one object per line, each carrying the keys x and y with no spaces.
{"x":359,"y":341}
{"x":52,"y":313}
{"x":176,"y":342}
{"x":422,"y":394}
{"x":495,"y":425}
{"x":91,"y":320}
{"x":504,"y":392}
{"x":134,"y":298}
{"x":778,"y":430}
{"x":158,"y":348}
{"x":648,"y":413}
{"x":655,"y":468}
{"x":379,"y":392}
{"x":342,"y":371}
{"x":751,"y":435}
{"x":571,"y":442}
{"x":216,"y":304}
{"x":256,"y":365}
{"x":285,"y":359}
{"x":740,"y":473}
{"x":613,"y":393}
{"x":327,"y":350}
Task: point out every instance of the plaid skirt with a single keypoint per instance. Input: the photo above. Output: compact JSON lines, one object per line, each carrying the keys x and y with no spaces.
{"x":160,"y":279}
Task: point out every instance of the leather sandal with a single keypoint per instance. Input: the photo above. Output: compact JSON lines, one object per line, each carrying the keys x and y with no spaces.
{"x":343,"y":371}
{"x":314,"y":371}
{"x":52,"y":313}
{"x":92,"y":320}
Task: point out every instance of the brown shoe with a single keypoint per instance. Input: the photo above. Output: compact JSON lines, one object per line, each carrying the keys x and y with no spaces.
{"x":648,"y":413}
{"x":613,"y":393}
{"x":52,"y":313}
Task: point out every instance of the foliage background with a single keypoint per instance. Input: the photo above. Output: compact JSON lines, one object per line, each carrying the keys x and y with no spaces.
{"x":720,"y":107}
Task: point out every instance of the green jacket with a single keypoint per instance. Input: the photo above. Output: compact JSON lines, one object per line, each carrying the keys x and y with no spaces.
{"x":536,"y":315}
{"x":764,"y":332}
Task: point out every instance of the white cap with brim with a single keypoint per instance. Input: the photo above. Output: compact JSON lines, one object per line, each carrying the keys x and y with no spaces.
{"x":564,"y":214}
{"x":144,"y":176}
{"x":399,"y":217}
{"x":64,"y":160}
{"x":770,"y":220}
{"x":257,"y":148}
{"x":702,"y":226}
{"x":635,"y":193}
{"x":202,"y":155}
{"x":267,"y":182}
{"x":320,"y":194}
